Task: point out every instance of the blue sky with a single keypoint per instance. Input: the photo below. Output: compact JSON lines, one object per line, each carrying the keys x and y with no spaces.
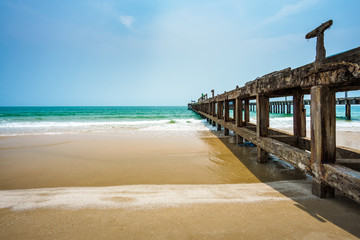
{"x":137,"y":52}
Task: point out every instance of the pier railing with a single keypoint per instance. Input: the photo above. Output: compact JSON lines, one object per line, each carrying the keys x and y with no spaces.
{"x":332,"y":167}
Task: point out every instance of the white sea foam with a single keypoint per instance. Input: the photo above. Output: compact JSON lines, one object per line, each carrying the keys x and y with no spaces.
{"x":12,"y":128}
{"x":153,"y":196}
{"x":68,"y":127}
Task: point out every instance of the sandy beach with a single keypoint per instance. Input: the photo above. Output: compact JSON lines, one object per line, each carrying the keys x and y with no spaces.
{"x":159,"y":187}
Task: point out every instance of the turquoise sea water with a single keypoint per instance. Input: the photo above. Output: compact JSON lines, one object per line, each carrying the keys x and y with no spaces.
{"x":57,"y":120}
{"x":61,"y":120}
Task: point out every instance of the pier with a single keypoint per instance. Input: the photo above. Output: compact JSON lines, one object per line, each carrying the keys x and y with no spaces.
{"x":285,"y":107}
{"x":332,"y":167}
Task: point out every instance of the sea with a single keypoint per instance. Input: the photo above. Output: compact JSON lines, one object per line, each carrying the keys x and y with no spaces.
{"x":16,"y":121}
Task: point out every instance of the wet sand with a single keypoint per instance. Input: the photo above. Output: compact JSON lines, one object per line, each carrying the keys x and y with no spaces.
{"x":151,"y":187}
{"x":287,"y":219}
{"x":108,"y":160}
{"x":101,"y":160}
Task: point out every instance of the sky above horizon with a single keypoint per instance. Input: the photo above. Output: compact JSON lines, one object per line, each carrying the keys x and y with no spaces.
{"x":161,"y":52}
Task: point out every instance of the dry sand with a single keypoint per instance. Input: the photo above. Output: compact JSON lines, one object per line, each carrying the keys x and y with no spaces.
{"x":181,"y":187}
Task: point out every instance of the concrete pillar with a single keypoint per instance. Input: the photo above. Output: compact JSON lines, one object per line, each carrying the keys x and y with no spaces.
{"x":323,"y":136}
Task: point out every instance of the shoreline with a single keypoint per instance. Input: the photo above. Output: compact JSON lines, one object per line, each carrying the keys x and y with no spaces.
{"x":159,"y":186}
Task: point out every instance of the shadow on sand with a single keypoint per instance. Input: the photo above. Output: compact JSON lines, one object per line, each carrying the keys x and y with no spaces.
{"x":340,"y":211}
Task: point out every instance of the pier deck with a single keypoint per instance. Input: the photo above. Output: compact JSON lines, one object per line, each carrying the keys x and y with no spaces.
{"x":332,"y":167}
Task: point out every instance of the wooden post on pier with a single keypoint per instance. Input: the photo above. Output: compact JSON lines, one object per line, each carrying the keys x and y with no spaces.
{"x":323,"y":136}
{"x":219,"y":114}
{"x":347,"y":110}
{"x":262,"y":124}
{"x":299,"y":114}
{"x":226,"y":116}
{"x":246,"y":111}
{"x":238,"y":118}
{"x":288,"y":108}
{"x":319,"y":34}
{"x":213,"y":112}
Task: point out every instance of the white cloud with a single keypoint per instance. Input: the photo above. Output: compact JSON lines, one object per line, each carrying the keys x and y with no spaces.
{"x":127,"y":21}
{"x":291,"y":9}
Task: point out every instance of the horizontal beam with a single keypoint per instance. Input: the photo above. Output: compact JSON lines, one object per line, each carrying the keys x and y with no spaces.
{"x":295,"y":156}
{"x":344,"y":179}
{"x":341,"y":71}
{"x":339,"y":101}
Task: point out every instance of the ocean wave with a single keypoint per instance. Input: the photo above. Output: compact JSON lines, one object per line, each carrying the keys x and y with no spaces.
{"x":11,"y":128}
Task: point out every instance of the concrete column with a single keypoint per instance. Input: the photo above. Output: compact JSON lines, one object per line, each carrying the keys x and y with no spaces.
{"x":323,"y":136}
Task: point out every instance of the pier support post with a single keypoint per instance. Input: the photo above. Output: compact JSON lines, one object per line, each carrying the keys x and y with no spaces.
{"x":238,"y":112}
{"x":323,"y":136}
{"x":262,"y":124}
{"x":219,"y":110}
{"x":226,"y":116}
{"x":212,"y":108}
{"x":219,"y":113}
{"x":299,"y":115}
{"x":238,"y":118}
{"x":226,"y":112}
{"x":288,"y":108}
{"x":348,"y":110}
{"x":246,"y":111}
